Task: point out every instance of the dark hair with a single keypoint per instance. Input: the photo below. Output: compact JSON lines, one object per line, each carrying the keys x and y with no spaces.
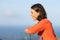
{"x":40,"y":9}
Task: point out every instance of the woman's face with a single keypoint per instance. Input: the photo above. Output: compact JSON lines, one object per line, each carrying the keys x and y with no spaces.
{"x":34,"y":14}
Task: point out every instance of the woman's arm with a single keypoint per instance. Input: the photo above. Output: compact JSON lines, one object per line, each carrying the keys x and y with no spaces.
{"x":36,"y":28}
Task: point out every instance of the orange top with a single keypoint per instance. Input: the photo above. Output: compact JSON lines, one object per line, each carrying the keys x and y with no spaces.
{"x":44,"y":29}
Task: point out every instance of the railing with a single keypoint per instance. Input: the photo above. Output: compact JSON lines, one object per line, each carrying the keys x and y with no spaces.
{"x":29,"y":37}
{"x":21,"y":38}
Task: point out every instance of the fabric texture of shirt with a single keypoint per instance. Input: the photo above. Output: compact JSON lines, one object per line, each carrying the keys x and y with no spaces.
{"x":44,"y":29}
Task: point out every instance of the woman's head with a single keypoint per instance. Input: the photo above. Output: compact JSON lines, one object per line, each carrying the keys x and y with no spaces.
{"x":38,"y":12}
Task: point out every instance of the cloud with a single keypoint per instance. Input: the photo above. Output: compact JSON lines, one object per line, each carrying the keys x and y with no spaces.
{"x":10,"y":11}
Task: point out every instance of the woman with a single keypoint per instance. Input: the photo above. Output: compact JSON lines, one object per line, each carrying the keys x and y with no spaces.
{"x":44,"y":26}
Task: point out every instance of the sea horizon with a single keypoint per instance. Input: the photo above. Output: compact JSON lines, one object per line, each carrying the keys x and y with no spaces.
{"x":17,"y":32}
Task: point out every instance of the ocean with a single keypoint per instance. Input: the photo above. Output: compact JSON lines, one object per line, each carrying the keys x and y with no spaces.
{"x":17,"y":33}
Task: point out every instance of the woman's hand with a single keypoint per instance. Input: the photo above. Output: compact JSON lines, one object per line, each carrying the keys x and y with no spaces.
{"x":26,"y":30}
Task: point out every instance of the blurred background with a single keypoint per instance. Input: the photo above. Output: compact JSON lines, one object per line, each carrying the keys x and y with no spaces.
{"x":15,"y":17}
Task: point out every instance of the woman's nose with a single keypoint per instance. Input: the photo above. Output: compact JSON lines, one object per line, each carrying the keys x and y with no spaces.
{"x":31,"y":14}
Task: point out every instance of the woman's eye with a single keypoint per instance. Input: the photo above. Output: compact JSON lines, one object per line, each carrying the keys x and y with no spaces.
{"x":32,"y":13}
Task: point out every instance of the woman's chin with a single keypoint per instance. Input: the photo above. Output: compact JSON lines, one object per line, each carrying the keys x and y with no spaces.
{"x":34,"y":19}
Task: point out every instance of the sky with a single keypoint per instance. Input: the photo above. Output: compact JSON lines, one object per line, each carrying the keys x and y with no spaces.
{"x":17,"y":12}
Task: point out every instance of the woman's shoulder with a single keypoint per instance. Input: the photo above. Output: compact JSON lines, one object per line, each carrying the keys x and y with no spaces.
{"x":44,"y":21}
